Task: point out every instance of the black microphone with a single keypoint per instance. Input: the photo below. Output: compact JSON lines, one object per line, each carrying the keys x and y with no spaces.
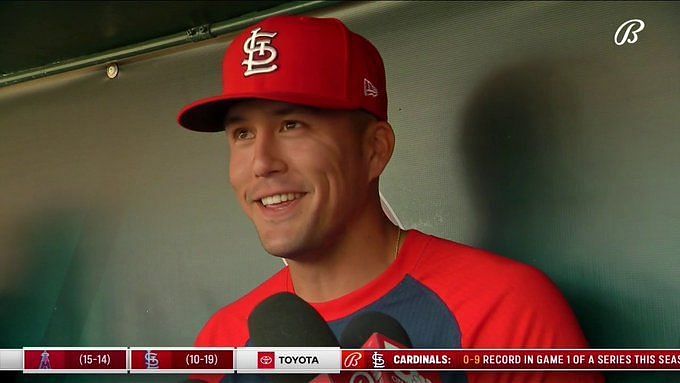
{"x":360,"y":329}
{"x":377,"y":330}
{"x":286,"y":320}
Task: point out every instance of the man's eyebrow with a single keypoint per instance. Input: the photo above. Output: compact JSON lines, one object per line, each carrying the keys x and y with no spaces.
{"x":282,"y":111}
{"x":231,"y":120}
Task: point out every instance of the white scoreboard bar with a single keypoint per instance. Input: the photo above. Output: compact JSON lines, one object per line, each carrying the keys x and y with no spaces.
{"x":11,"y":360}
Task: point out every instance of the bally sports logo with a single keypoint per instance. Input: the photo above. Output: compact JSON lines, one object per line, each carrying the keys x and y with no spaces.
{"x":265,"y":359}
{"x":352,"y":360}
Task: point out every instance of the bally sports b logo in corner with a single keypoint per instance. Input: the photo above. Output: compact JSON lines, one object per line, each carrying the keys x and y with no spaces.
{"x":265,"y":359}
{"x":628,"y":32}
{"x":351,"y":360}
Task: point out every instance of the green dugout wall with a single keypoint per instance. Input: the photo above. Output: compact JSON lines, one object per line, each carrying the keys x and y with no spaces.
{"x":521,"y":128}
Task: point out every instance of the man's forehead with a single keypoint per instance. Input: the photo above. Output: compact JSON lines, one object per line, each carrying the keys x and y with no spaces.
{"x":244,"y":108}
{"x":251,"y":109}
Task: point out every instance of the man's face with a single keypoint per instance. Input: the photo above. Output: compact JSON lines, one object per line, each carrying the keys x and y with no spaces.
{"x":300,"y":174}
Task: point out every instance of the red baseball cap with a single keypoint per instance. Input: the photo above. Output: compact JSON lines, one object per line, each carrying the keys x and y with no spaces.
{"x":315,"y":62}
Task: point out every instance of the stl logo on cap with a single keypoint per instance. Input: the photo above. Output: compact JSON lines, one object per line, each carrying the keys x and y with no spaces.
{"x":256,"y":46}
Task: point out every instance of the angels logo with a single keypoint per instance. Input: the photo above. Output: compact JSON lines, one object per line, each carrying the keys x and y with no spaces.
{"x":260,"y":53}
{"x":45,"y":361}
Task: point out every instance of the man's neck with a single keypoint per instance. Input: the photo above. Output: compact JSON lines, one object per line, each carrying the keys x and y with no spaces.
{"x":363,"y":253}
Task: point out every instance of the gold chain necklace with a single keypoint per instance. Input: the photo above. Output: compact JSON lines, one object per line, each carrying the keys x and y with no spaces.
{"x":396,"y":248}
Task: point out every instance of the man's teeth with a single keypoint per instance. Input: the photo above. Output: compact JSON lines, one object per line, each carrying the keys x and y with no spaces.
{"x":278,"y":198}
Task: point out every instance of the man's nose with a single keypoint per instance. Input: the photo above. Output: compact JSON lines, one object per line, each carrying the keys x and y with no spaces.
{"x":267,"y":159}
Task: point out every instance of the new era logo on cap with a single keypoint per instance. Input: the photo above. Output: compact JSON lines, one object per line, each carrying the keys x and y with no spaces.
{"x":370,"y":89}
{"x":308,"y":61}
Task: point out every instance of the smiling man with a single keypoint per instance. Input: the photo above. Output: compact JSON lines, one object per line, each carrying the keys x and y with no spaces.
{"x":304,"y":107}
{"x":308,"y":179}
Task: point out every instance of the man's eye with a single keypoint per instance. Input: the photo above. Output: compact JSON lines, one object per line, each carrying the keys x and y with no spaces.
{"x":289,"y":125}
{"x":243,"y":134}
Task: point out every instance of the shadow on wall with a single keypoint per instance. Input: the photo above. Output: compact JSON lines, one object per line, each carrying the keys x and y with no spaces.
{"x":513,"y":142}
{"x":522,"y":145}
{"x":514,"y":126}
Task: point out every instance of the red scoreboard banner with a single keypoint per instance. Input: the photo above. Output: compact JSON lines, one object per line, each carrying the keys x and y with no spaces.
{"x":512,"y":360}
{"x":171,"y":360}
{"x":75,"y":360}
{"x":263,"y":360}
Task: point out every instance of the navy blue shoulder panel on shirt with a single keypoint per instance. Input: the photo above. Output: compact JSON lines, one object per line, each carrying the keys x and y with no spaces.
{"x":421,"y":312}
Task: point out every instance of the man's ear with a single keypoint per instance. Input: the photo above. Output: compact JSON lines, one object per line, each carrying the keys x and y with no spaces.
{"x":379,"y":141}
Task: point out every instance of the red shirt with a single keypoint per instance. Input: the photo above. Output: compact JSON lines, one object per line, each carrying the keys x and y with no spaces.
{"x":446,"y":295}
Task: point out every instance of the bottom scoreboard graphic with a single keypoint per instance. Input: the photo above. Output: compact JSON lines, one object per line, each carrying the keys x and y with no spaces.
{"x":326,"y":360}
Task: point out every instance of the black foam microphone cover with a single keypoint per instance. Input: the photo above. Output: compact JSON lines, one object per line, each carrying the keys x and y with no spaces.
{"x":364,"y":325}
{"x":286,"y":320}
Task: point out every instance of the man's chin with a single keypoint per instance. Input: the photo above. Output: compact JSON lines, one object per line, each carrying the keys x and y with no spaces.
{"x":292,"y":241}
{"x":288,"y":248}
{"x":279,"y":247}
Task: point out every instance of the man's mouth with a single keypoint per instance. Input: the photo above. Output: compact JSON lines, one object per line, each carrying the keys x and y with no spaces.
{"x":278,"y":199}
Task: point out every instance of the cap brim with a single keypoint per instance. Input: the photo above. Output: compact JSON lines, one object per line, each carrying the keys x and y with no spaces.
{"x":207,"y":115}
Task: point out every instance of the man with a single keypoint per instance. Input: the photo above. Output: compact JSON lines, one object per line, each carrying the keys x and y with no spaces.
{"x":304,"y":107}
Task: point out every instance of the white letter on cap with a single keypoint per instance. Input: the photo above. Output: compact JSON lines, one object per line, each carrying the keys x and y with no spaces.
{"x":258,"y":43}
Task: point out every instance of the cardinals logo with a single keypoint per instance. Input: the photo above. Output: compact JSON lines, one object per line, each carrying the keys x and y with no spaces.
{"x":260,"y":53}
